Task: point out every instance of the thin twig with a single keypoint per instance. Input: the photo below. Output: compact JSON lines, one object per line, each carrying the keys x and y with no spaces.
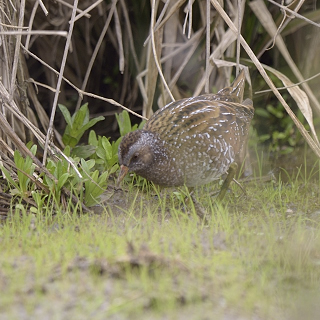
{"x":92,"y":95}
{"x":13,"y":27}
{"x":5,"y":60}
{"x":183,"y":64}
{"x":313,"y":145}
{"x":31,"y":20}
{"x":190,"y":19}
{"x":228,"y":37}
{"x":120,"y":43}
{"x":163,"y":12}
{"x":208,"y":37}
{"x":297,"y":15}
{"x":87,"y":15}
{"x":37,"y":32}
{"x":172,"y":10}
{"x":16,"y":51}
{"x":238,"y":36}
{"x":37,"y":83}
{"x":96,"y":50}
{"x":44,"y":9}
{"x":56,"y":96}
{"x":181,"y":47}
{"x":12,"y":107}
{"x":84,"y":13}
{"x":84,"y":93}
{"x":287,"y":87}
{"x":279,"y":30}
{"x":130,"y":37}
{"x":13,"y":7}
{"x":155,"y":52}
{"x":259,"y":8}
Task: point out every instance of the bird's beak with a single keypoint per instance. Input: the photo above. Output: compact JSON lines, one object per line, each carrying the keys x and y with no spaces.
{"x":123,"y":171}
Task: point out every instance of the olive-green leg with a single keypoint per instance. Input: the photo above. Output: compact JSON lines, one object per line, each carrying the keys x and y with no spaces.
{"x":226,"y":183}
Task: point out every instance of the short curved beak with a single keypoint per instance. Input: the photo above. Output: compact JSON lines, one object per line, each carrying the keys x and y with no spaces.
{"x":123,"y":171}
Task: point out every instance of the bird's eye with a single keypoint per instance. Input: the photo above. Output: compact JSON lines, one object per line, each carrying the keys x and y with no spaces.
{"x":135,"y":157}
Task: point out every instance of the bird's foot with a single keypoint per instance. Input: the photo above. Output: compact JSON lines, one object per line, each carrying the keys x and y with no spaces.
{"x":226,"y":183}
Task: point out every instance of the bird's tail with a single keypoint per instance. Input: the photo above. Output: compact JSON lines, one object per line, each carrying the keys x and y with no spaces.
{"x":234,"y":93}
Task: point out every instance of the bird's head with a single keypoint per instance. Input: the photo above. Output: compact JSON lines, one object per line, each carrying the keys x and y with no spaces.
{"x":136,"y":153}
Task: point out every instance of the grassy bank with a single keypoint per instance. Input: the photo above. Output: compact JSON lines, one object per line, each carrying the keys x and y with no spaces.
{"x":147,"y":256}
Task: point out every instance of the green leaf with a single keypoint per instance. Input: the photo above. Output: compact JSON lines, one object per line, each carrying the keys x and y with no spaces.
{"x":79,"y":121}
{"x":107,"y":147}
{"x":100,"y":161}
{"x":102,"y":180}
{"x":264,"y":137}
{"x":83,"y":151}
{"x":262,"y":112}
{"x":47,"y":181}
{"x":92,"y":122}
{"x":68,"y":140}
{"x":25,"y":166}
{"x":287,"y":150}
{"x":67,"y":151}
{"x":18,"y":160}
{"x":90,"y":163}
{"x":84,"y":165}
{"x":66,"y":114}
{"x":87,"y":165}
{"x":33,"y":149}
{"x":124,"y":122}
{"x":92,"y":140}
{"x":101,"y":153}
{"x":95,"y":188}
{"x":114,"y":169}
{"x":115,"y":146}
{"x":62,"y":180}
{"x":34,"y":210}
{"x":141,"y":125}
{"x":276,"y":112}
{"x":8,"y":177}
{"x":77,"y":125}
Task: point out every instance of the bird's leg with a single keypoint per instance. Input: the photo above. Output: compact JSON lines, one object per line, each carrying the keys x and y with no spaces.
{"x":231,"y":173}
{"x":240,"y":186}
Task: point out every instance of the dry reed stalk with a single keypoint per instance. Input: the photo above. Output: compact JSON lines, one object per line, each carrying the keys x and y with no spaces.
{"x":314,"y":145}
{"x":96,"y":49}
{"x":260,"y":10}
{"x":56,"y":95}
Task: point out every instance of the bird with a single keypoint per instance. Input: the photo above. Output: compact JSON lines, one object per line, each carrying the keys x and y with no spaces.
{"x":192,"y":141}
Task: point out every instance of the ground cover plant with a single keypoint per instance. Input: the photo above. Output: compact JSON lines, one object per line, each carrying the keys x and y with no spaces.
{"x":145,"y":257}
{"x":74,"y":246}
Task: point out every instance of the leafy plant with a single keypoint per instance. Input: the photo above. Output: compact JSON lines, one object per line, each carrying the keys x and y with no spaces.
{"x":95,"y":162}
{"x":40,"y":201}
{"x":95,"y":184}
{"x":25,"y":169}
{"x":106,"y":153}
{"x":281,"y":133}
{"x":77,"y":124}
{"x":92,"y":184}
{"x":124,"y":123}
{"x":65,"y":175}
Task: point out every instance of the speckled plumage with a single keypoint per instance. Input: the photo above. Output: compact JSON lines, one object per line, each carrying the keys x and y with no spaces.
{"x":192,"y":141}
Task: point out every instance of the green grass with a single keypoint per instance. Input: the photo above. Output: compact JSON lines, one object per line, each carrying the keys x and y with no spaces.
{"x":147,"y":256}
